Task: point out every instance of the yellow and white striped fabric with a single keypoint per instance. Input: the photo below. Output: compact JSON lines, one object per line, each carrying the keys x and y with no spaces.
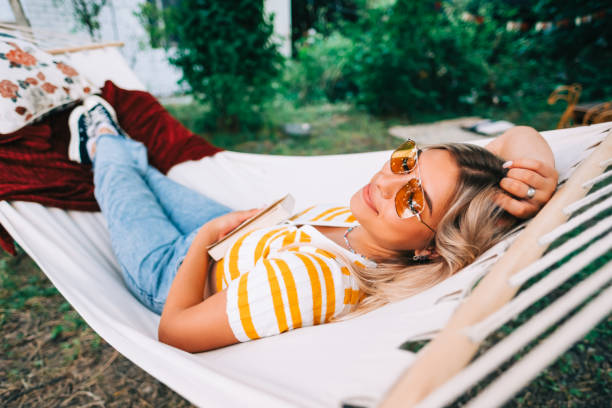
{"x":325,"y":215}
{"x":270,"y":290}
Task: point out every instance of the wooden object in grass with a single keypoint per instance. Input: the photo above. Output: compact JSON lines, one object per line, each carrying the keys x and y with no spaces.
{"x":451,"y":349}
{"x":591,"y":113}
{"x":569,"y":93}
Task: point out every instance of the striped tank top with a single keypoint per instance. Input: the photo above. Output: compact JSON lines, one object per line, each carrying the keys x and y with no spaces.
{"x":271,"y":290}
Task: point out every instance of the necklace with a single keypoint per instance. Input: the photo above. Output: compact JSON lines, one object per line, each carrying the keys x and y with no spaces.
{"x":348,"y":244}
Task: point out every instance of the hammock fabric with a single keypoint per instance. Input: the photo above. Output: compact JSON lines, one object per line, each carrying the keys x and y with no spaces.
{"x":35,"y":167}
{"x":313,"y":366}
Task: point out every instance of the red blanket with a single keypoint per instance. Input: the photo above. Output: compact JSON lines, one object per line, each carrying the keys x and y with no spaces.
{"x":34,"y":164}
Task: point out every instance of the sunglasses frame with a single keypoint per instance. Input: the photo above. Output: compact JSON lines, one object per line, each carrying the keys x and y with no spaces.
{"x":416,"y":165}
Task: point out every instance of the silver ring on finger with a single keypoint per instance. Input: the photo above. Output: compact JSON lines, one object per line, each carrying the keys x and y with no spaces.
{"x":531,"y":192}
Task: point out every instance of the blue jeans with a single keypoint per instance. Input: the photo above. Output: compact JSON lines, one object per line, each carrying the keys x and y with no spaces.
{"x":151,"y":219}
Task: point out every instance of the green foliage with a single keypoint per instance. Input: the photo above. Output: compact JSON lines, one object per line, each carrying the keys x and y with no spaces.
{"x":322,"y":15}
{"x":564,"y":53}
{"x":336,"y":128}
{"x":16,"y":294}
{"x":421,"y":57}
{"x":574,"y":53}
{"x":391,"y":57}
{"x":56,"y":332}
{"x":227,"y":56}
{"x":153,"y":20}
{"x":321,"y":70}
{"x":414,"y":57}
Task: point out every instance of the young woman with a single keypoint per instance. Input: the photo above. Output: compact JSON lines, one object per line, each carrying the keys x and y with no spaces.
{"x":422,"y":217}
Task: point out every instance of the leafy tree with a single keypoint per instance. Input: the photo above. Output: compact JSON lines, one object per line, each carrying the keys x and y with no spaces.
{"x":227,"y":56}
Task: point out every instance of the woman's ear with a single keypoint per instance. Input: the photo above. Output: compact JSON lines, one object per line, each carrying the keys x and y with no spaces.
{"x":427,"y":253}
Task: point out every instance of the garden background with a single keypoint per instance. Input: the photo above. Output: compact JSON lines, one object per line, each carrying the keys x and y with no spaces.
{"x":357,"y":68}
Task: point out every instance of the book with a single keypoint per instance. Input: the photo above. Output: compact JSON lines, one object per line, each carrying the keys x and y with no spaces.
{"x":273,"y":214}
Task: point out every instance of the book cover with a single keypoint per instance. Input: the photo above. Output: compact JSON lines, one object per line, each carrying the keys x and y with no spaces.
{"x":273,"y":214}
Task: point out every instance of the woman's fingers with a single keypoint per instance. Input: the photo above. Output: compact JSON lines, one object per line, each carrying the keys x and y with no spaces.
{"x":242,"y":216}
{"x":518,"y":208}
{"x":238,"y":217}
{"x":534,"y":165}
{"x":225,"y":224}
{"x":520,"y":190}
{"x":527,"y":176}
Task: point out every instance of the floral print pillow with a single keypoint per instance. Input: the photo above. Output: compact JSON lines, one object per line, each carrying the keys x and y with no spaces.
{"x":33,"y":82}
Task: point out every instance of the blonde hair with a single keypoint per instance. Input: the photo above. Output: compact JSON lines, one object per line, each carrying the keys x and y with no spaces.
{"x":469,"y":227}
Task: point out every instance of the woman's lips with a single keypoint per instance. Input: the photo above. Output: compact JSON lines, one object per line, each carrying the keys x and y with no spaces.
{"x":368,"y":198}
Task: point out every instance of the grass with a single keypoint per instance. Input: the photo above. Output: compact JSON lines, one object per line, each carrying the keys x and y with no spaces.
{"x":51,"y":357}
{"x":336,"y":128}
{"x":342,"y":128}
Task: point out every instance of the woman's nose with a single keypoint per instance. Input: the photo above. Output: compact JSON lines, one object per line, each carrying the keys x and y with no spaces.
{"x":389,"y":183}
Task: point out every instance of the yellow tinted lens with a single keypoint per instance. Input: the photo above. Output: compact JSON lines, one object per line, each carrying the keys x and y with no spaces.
{"x":409,"y":201}
{"x":403,"y":159}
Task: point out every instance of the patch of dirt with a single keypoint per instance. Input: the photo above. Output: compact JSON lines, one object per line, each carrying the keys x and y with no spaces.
{"x":339,"y":119}
{"x":443,"y":131}
{"x":51,"y":358}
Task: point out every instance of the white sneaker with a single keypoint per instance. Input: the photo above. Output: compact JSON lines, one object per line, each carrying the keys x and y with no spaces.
{"x":102,"y":113}
{"x":78,"y":124}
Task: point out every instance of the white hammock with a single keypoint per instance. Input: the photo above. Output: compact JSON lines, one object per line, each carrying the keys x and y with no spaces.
{"x":313,"y":366}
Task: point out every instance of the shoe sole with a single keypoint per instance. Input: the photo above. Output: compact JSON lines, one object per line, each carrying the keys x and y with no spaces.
{"x":74,"y":146}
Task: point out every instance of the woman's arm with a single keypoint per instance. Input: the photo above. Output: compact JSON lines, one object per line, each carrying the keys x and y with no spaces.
{"x":187,"y":322}
{"x":531,"y":164}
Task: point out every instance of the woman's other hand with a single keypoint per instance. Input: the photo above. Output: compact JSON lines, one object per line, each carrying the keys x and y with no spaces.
{"x":221,"y":226}
{"x":522,"y":175}
{"x":530,"y":163}
{"x":188,"y":322}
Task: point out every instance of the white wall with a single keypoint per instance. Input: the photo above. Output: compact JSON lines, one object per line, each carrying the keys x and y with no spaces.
{"x":6,"y":13}
{"x":282,"y":23}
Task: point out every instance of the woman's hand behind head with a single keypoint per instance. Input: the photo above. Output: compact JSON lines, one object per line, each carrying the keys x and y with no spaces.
{"x":522,"y":175}
{"x":531,"y":162}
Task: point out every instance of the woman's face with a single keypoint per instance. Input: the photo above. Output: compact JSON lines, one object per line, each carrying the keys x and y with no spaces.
{"x":374,"y":204}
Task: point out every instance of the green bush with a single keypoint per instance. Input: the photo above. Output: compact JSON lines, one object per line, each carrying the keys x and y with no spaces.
{"x":320,"y":70}
{"x":226,"y":53}
{"x":426,"y":57}
{"x":415,"y":56}
{"x":566,"y":52}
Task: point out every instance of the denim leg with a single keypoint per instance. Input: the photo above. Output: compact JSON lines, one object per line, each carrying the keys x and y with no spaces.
{"x":147,"y":244}
{"x":188,"y":209}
